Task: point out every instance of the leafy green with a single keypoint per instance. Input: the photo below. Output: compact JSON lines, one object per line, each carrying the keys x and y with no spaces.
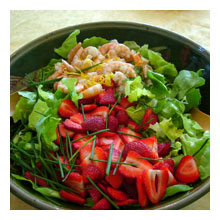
{"x":170,"y":130}
{"x":177,"y":159}
{"x":48,"y":97}
{"x":176,"y":146}
{"x":172,"y":190}
{"x":203,"y":161}
{"x":158,"y":130}
{"x":134,"y":89}
{"x":191,"y":145}
{"x":132,"y":45}
{"x":185,"y":81}
{"x":193,"y":99}
{"x":136,"y":113}
{"x":94,"y":41}
{"x":68,"y":44}
{"x":24,"y":106}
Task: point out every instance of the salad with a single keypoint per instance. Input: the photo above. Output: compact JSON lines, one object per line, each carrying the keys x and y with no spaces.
{"x":108,"y":126}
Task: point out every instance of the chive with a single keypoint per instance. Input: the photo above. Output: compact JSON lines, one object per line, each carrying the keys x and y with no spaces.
{"x":82,"y":70}
{"x":105,"y":161}
{"x":112,"y":107}
{"x":34,"y":168}
{"x":60,"y":165}
{"x":132,"y":135}
{"x":109,"y":160}
{"x":145,"y":124}
{"x":115,"y":205}
{"x":93,"y":148}
{"x":147,"y":158}
{"x":116,"y":167}
{"x":56,"y":162}
{"x":21,"y":162}
{"x":67,"y":145}
{"x":82,"y":147}
{"x":61,"y":143}
{"x":22,"y":151}
{"x":33,"y":146}
{"x":84,"y":117}
{"x":43,"y":82}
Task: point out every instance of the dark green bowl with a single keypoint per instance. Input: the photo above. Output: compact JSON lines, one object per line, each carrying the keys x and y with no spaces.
{"x":181,"y":51}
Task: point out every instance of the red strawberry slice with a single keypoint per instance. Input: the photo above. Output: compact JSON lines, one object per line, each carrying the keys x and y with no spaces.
{"x":127,"y":138}
{"x":118,"y":108}
{"x":155,"y":182}
{"x":73,"y":126}
{"x":112,"y":123}
{"x":102,"y":204}
{"x":105,"y":142}
{"x":187,"y":170}
{"x":94,"y":193}
{"x":122,"y":117}
{"x":126,"y":202}
{"x":132,"y":124}
{"x":72,"y":197}
{"x":106,"y":134}
{"x":64,"y":161}
{"x":67,"y":109}
{"x":125,"y":103}
{"x":88,"y":107}
{"x":168,"y":163}
{"x":76,"y":145}
{"x":77,"y":118}
{"x":92,"y":171}
{"x":171,"y":179}
{"x":101,"y":111}
{"x":134,"y":171}
{"x":75,"y":181}
{"x":114,"y":180}
{"x":106,"y":97}
{"x":40,"y":181}
{"x":117,"y":194}
{"x":113,"y":112}
{"x":130,"y":187}
{"x":151,"y":142}
{"x":142,"y":195}
{"x":164,"y":149}
{"x":86,"y":101}
{"x":94,"y":123}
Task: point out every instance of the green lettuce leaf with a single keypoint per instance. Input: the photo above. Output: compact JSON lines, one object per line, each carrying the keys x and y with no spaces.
{"x":24,"y":106}
{"x":136,"y":113}
{"x":134,"y":89}
{"x":193,"y":99}
{"x":191,"y":145}
{"x":177,"y":159}
{"x":176,"y":146}
{"x":158,"y":130}
{"x":203,"y":161}
{"x":94,"y":41}
{"x":68,"y":44}
{"x":48,"y":97}
{"x":132,"y":45}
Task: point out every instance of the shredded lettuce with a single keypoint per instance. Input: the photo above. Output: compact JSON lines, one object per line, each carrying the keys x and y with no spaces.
{"x":136,"y":113}
{"x":94,"y":41}
{"x":132,"y":45}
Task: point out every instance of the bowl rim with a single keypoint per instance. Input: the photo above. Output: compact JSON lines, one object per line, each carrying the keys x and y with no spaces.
{"x":179,"y":202}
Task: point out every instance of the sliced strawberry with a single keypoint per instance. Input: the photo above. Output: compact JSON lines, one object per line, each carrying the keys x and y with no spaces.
{"x":86,"y":101}
{"x":114,"y":180}
{"x":187,"y":170}
{"x":72,"y":197}
{"x":122,"y":117}
{"x":76,"y":145}
{"x":105,"y":142}
{"x":171,"y":179}
{"x":73,"y":126}
{"x":77,"y":118}
{"x":164,"y":149}
{"x":155,"y":182}
{"x":40,"y":181}
{"x":131,"y":171}
{"x":106,"y":97}
{"x":106,"y":134}
{"x":94,"y":123}
{"x":94,"y":193}
{"x":64,"y":161}
{"x":113,"y":112}
{"x":75,"y":181}
{"x":152,"y":143}
{"x":132,"y":124}
{"x":102,"y":204}
{"x":92,"y":171}
{"x":126,"y":202}
{"x":118,"y":108}
{"x":117,"y":194}
{"x":125,"y":103}
{"x":112,"y":123}
{"x":127,"y":138}
{"x":130,"y":187}
{"x":101,"y":111}
{"x":67,"y":109}
{"x":88,"y":107}
{"x":142,"y":195}
{"x":168,"y":163}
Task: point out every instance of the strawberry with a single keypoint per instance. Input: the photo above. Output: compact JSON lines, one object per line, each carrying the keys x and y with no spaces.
{"x":132,"y":124}
{"x":171,"y":179}
{"x":125,"y":103}
{"x":130,"y":188}
{"x":131,"y":171}
{"x":77,"y":118}
{"x":114,"y":180}
{"x":72,"y":197}
{"x":40,"y":181}
{"x":105,"y":142}
{"x":67,"y":109}
{"x":73,"y":126}
{"x":187,"y":170}
{"x":122,"y":117}
{"x":92,"y":171}
{"x":75,"y":181}
{"x":142,"y":195}
{"x":118,"y":108}
{"x":101,"y":111}
{"x":126,"y":202}
{"x":94,"y":193}
{"x":113,"y":112}
{"x":76,"y":145}
{"x":61,"y":158}
{"x":88,"y":107}
{"x":126,"y":138}
{"x":106,"y":97}
{"x":164,"y":149}
{"x":155,"y":182}
{"x":117,"y":194}
{"x":102,"y":204}
{"x":112,"y":123}
{"x":106,"y":134}
{"x":85,"y":101}
{"x":151,"y":142}
{"x":168,"y":163}
{"x":94,"y":123}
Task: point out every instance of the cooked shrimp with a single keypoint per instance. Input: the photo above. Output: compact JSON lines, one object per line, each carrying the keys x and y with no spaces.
{"x":77,"y":61}
{"x":68,"y":67}
{"x":79,"y":87}
{"x":119,"y":79}
{"x":73,"y":52}
{"x":60,"y":85}
{"x":92,"y":91}
{"x":125,"y":68}
{"x":58,"y":73}
{"x":117,"y":50}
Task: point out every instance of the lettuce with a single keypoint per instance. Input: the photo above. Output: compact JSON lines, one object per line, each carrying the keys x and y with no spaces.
{"x":191,"y":145}
{"x":136,"y":113}
{"x":68,"y":44}
{"x":132,"y":45}
{"x":94,"y":41}
{"x":134,"y":89}
{"x":193,"y":99}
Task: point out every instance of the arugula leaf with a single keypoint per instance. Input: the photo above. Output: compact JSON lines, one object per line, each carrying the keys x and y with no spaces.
{"x":68,"y":44}
{"x":94,"y":41}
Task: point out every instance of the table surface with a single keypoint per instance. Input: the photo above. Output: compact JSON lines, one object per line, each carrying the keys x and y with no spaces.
{"x":26,"y":26}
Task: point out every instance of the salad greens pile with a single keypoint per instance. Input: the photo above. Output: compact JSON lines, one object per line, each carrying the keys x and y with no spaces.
{"x":169,"y":92}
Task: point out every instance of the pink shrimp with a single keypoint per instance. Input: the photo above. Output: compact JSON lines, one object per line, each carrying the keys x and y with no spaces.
{"x":92,"y":91}
{"x":73,"y":52}
{"x":117,"y":50}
